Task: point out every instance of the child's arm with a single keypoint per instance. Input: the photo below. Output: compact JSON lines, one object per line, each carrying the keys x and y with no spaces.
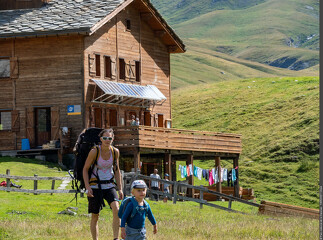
{"x":126,"y":214}
{"x":123,"y":233}
{"x":155,"y":228}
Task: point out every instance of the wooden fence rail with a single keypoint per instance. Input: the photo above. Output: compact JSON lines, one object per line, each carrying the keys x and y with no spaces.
{"x":130,"y":176}
{"x":176,"y":196}
{"x":35,"y":178}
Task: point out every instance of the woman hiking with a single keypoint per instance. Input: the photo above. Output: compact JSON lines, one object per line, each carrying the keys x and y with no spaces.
{"x":100,"y":185}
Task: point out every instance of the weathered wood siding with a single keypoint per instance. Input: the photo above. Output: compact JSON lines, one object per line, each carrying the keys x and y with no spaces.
{"x":50,"y":74}
{"x":137,"y":44}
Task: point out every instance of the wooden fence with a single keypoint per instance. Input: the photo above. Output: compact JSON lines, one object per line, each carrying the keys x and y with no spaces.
{"x":176,"y":195}
{"x":177,"y":139}
{"x":35,"y":178}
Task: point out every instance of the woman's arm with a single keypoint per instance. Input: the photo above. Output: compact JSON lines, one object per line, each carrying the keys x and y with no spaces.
{"x":117,"y":174}
{"x":89,"y":161}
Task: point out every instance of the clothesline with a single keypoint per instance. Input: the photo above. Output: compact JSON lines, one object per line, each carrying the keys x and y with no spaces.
{"x":210,"y":175}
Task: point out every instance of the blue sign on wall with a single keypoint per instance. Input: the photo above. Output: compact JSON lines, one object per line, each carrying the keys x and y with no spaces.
{"x":73,"y":109}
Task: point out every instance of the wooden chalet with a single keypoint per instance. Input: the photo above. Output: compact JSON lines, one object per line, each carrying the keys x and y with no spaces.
{"x":96,"y":63}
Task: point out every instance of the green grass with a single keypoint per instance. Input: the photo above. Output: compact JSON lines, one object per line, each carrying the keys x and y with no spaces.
{"x":28,"y":216}
{"x":240,"y":38}
{"x":279,"y":122}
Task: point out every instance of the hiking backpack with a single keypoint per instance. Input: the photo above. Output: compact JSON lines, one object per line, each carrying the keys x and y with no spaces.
{"x":126,"y":201}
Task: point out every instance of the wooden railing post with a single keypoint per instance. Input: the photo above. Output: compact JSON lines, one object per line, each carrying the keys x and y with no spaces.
{"x":201,"y":197}
{"x":53,"y":185}
{"x":35,"y":183}
{"x":8,"y":180}
{"x":230,"y":203}
{"x":175,"y":193}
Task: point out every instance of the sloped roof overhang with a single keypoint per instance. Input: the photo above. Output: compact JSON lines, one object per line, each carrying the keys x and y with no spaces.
{"x":61,"y":18}
{"x":115,"y":93}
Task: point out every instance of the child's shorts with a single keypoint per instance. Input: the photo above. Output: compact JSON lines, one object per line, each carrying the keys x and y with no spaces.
{"x":135,"y":234}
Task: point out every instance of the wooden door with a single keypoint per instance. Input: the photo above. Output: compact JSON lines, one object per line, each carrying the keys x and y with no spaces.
{"x":30,"y":126}
{"x":147,"y":119}
{"x":160,"y":120}
{"x":98,"y":117}
{"x":42,"y":125}
{"x":113,"y":118}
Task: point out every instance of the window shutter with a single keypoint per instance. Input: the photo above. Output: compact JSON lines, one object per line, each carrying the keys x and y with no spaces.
{"x":30,"y":126}
{"x":127,"y":63}
{"x":113,"y":68}
{"x":132,"y":67}
{"x":15,"y":121}
{"x":54,"y":123}
{"x":91,"y":61}
{"x":14,"y":67}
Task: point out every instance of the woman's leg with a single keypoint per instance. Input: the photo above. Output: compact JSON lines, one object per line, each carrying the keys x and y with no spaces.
{"x":116,"y":221}
{"x":94,"y":226}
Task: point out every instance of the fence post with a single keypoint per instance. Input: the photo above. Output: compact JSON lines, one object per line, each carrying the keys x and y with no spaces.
{"x":35,"y":183}
{"x":230,"y":203}
{"x":53,"y":185}
{"x":8,"y":180}
{"x":175,"y":193}
{"x":201,"y":197}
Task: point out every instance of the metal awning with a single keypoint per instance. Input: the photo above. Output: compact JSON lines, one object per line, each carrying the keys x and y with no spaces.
{"x":128,"y":94}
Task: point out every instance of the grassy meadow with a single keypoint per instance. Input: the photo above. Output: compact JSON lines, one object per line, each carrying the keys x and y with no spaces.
{"x":30,"y":217}
{"x":237,"y":39}
{"x":279,"y":122}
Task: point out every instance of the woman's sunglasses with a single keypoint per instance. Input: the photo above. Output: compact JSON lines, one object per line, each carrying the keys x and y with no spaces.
{"x":106,"y":138}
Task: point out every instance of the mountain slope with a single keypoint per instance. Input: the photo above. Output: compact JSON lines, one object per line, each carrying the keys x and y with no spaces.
{"x":176,"y":11}
{"x":282,"y":34}
{"x":279,"y":122}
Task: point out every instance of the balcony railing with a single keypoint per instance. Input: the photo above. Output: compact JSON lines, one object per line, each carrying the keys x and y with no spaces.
{"x":177,"y":139}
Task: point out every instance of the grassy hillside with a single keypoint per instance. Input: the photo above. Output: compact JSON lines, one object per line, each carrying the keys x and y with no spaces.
{"x":279,"y":121}
{"x":242,"y":39}
{"x":202,"y":65}
{"x":176,"y":11}
{"x":28,"y":216}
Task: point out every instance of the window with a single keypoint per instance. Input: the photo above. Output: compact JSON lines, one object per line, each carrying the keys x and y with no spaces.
{"x":4,"y":67}
{"x":5,"y":120}
{"x":128,"y":24}
{"x":107,"y":66}
{"x":122,"y":69}
{"x":137,"y":71}
{"x":97,"y":65}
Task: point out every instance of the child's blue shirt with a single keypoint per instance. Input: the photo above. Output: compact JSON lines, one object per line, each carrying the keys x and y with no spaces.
{"x":138,"y":221}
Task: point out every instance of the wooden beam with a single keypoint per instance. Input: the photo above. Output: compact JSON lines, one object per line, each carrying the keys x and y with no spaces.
{"x":172,"y":48}
{"x":136,"y":158}
{"x":168,"y":168}
{"x":190,"y":191}
{"x":218,"y":166}
{"x":146,"y":16}
{"x":160,"y":33}
{"x":236,"y":186}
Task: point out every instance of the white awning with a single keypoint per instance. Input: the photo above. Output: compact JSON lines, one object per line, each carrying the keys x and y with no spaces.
{"x":128,"y":94}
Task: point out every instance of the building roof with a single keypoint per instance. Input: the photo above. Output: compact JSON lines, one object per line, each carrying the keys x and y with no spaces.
{"x":71,"y":16}
{"x":57,"y":16}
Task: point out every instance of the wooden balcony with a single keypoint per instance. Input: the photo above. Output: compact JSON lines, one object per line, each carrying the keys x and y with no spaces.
{"x":154,"y":139}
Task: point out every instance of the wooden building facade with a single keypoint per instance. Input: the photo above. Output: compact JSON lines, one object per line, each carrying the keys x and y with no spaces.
{"x":80,"y":64}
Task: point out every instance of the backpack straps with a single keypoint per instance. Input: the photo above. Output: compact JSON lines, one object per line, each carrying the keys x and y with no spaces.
{"x":134,"y":208}
{"x":115,"y":156}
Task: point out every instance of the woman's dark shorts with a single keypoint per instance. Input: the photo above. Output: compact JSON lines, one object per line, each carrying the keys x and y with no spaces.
{"x":110,"y":195}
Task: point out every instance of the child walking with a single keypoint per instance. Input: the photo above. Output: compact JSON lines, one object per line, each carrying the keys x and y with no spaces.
{"x":133,"y":225}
